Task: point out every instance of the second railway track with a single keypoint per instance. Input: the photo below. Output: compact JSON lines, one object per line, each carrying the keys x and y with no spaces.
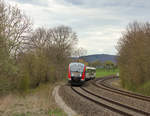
{"x":103,"y":85}
{"x":109,"y":104}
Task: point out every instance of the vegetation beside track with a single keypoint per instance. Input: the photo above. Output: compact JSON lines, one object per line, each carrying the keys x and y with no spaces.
{"x":134,"y":58}
{"x":34,"y":102}
{"x":32,"y":61}
{"x":30,"y":57}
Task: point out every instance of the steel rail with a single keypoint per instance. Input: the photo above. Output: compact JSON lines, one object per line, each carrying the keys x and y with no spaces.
{"x":101,"y":104}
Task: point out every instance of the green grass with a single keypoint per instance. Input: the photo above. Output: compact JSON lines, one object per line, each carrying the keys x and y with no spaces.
{"x":144,"y":89}
{"x":102,"y":72}
{"x":56,"y":112}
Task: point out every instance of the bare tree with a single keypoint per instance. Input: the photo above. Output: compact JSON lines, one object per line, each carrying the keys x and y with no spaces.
{"x":15,"y":26}
{"x":63,"y":40}
{"x":79,"y":52}
{"x":47,"y":53}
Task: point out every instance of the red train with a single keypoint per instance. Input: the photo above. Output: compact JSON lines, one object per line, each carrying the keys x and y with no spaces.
{"x":78,"y":73}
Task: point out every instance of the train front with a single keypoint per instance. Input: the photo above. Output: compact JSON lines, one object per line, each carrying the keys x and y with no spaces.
{"x":76,"y":73}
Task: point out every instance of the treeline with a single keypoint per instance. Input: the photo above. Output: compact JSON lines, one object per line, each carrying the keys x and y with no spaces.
{"x":29,"y":57}
{"x":105,"y":66}
{"x":134,"y":57}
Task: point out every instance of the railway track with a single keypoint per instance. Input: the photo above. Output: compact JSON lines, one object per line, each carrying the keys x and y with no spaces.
{"x":103,"y":85}
{"x":114,"y":106}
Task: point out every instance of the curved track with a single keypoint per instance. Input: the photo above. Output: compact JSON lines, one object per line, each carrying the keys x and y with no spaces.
{"x":100,"y":83}
{"x":100,"y":103}
{"x":109,"y":104}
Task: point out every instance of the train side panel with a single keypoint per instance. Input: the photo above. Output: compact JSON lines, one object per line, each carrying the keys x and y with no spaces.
{"x":90,"y":73}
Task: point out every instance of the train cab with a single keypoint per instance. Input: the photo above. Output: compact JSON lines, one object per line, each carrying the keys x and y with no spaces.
{"x":76,"y":73}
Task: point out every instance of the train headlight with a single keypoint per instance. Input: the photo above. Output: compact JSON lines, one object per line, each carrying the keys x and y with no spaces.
{"x":72,"y":74}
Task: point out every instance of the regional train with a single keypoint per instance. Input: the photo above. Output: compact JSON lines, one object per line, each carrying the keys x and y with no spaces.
{"x":78,"y":73}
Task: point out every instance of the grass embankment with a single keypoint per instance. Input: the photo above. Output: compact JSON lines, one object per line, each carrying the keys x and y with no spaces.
{"x":103,"y":72}
{"x":35,"y":102}
{"x":143,"y":89}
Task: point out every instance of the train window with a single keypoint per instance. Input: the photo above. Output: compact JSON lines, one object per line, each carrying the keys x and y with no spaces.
{"x":90,"y":71}
{"x":76,"y":67}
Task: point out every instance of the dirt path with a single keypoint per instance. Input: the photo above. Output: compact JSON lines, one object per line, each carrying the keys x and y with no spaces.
{"x":61,"y":103}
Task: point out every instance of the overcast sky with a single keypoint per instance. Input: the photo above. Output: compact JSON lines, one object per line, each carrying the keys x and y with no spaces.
{"x":98,"y":23}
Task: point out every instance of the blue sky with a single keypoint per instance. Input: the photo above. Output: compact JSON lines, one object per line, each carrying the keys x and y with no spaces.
{"x":98,"y":23}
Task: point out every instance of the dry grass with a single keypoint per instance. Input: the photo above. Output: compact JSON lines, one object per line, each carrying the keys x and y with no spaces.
{"x":117,"y":83}
{"x":36,"y":102}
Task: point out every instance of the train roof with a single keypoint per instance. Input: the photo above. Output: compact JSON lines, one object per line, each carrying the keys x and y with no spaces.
{"x":76,"y":63}
{"x":87,"y":67}
{"x":93,"y":68}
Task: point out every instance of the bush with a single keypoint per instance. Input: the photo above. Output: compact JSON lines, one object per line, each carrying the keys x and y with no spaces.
{"x":133,"y":55}
{"x":14,"y":25}
{"x":145,"y":88}
{"x":24,"y":83}
{"x":31,"y":57}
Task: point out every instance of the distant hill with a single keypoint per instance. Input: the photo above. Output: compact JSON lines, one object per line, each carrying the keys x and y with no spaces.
{"x":100,"y":57}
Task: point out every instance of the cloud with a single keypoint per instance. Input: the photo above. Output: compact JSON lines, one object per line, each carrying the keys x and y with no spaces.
{"x":34,"y":2}
{"x":98,"y":23}
{"x":110,"y":3}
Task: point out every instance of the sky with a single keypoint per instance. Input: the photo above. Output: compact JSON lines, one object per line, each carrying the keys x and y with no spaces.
{"x":98,"y":23}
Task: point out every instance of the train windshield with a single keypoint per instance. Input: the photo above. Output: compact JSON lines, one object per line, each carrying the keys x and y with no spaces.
{"x":76,"y":67}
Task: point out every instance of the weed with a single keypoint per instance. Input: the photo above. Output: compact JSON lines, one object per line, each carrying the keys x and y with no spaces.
{"x":56,"y":112}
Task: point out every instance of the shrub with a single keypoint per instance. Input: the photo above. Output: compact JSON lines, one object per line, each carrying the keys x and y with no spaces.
{"x":24,"y":83}
{"x":145,"y":88}
{"x":134,"y":55}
